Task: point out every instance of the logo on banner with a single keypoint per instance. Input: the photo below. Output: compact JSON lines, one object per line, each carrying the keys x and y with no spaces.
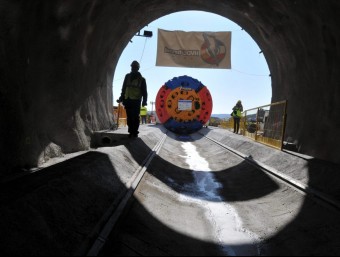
{"x":213,"y":51}
{"x":194,"y":49}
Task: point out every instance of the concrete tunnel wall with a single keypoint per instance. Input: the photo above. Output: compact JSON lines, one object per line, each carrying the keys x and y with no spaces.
{"x":57,"y":61}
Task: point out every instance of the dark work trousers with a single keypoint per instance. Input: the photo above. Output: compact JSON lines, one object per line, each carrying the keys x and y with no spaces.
{"x":132,"y":112}
{"x":143,"y":119}
{"x":236,"y":124}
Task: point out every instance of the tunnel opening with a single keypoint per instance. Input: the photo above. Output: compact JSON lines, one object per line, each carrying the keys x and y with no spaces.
{"x":248,"y":79}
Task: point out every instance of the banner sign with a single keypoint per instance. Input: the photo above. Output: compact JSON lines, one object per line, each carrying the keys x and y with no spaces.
{"x":194,"y":49}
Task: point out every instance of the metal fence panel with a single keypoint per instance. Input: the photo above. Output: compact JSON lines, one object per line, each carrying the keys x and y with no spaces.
{"x":265,"y":124}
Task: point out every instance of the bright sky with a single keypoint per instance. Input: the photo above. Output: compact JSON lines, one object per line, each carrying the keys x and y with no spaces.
{"x":248,"y":80}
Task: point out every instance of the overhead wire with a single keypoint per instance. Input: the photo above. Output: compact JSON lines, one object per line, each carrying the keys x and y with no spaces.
{"x":140,"y":61}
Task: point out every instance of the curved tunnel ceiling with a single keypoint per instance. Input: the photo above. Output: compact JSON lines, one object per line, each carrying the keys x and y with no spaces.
{"x":58,"y":59}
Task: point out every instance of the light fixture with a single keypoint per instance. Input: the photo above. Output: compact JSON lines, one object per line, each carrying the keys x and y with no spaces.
{"x":147,"y":33}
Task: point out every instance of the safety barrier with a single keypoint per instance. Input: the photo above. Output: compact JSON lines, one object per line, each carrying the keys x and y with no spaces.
{"x":227,"y":124}
{"x":122,"y":122}
{"x":264,"y":124}
{"x":119,"y":116}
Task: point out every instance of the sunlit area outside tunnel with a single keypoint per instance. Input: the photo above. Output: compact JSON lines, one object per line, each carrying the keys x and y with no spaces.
{"x":248,"y":79}
{"x":132,"y":145}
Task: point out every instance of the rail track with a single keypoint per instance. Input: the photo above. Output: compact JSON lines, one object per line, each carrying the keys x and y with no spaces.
{"x":295,"y":184}
{"x":132,"y":185}
{"x":137,"y":180}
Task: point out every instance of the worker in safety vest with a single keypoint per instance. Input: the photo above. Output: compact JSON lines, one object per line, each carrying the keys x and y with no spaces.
{"x":143,"y":114}
{"x":134,"y":93}
{"x":237,"y":114}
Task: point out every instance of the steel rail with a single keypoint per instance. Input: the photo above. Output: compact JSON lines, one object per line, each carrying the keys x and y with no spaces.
{"x":316,"y":195}
{"x":116,"y":211}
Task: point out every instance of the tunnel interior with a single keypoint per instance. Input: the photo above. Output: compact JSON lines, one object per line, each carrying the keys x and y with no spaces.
{"x":58,"y":59}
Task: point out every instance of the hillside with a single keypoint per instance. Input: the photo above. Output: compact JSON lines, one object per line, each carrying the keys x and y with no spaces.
{"x":221,"y":116}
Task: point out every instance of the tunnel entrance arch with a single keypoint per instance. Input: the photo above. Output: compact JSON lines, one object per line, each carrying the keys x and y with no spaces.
{"x":248,"y":79}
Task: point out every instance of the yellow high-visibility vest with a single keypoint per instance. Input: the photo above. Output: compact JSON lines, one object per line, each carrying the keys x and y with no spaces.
{"x":133,"y":88}
{"x":238,"y":113}
{"x":143,"y":111}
